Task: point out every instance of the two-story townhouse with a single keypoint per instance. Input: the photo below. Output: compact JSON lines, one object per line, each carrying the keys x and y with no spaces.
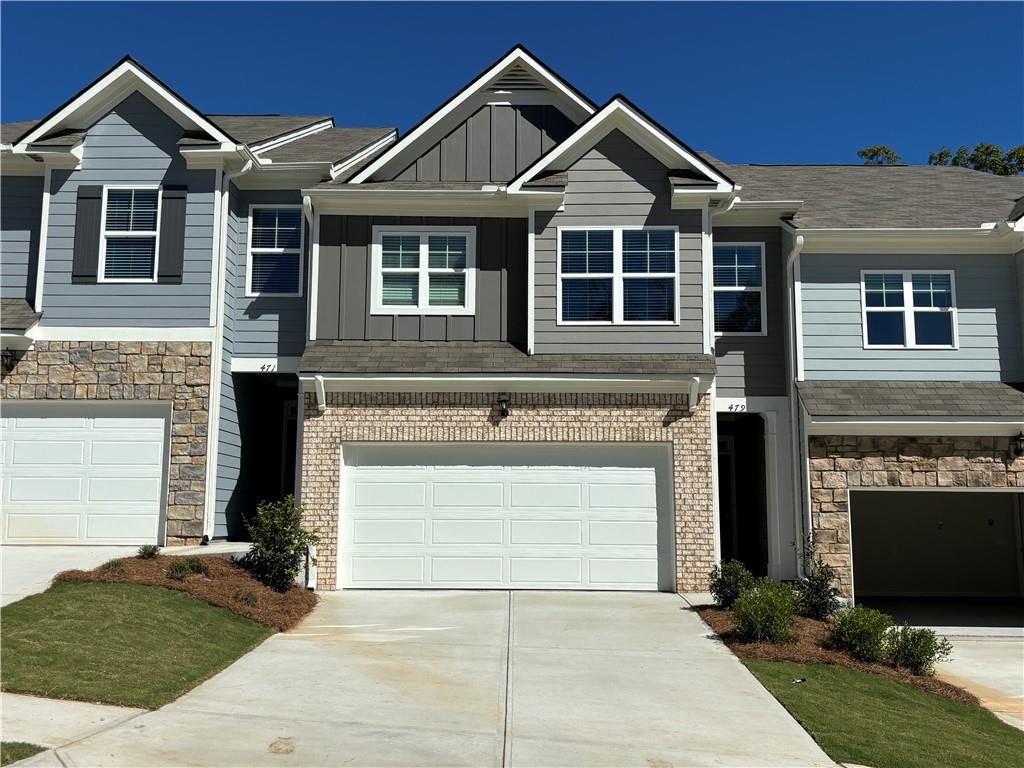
{"x":536,"y":342}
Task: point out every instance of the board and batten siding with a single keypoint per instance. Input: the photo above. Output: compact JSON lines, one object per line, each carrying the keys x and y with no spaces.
{"x":617,"y":183}
{"x":495,"y":143}
{"x":988,"y":300}
{"x":755,"y":366}
{"x":134,"y":143}
{"x":343,"y":299}
{"x":21,"y":205}
{"x":264,"y":326}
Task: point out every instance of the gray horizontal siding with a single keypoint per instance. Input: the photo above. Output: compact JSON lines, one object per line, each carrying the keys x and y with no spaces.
{"x":495,"y":143}
{"x":21,"y":204}
{"x":264,"y":326}
{"x":133,"y":143}
{"x":988,"y":320}
{"x":618,"y":183}
{"x":755,"y":366}
{"x":343,"y":305}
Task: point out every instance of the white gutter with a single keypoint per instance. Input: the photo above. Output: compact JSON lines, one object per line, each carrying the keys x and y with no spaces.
{"x":503,"y":382}
{"x":794,"y":349}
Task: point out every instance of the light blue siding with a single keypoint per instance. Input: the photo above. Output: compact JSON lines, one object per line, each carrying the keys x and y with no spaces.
{"x":133,"y":143}
{"x":264,"y":326}
{"x":229,"y":441}
{"x":21,"y":200}
{"x":988,"y":299}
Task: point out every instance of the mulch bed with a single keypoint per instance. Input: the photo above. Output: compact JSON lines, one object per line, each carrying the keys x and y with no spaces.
{"x":227,"y":586}
{"x":811,"y":646}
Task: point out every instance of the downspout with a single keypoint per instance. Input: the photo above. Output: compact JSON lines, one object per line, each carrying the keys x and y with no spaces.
{"x":217,"y":353}
{"x":803,"y":514}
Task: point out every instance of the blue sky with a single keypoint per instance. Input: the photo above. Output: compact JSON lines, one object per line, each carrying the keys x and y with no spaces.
{"x":748,"y":82}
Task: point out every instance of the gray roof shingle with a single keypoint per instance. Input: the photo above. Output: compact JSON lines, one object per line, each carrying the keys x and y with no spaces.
{"x":11,"y":132}
{"x":327,"y":146}
{"x":476,"y":357}
{"x":912,"y":398}
{"x":17,"y":315}
{"x":252,"y":129}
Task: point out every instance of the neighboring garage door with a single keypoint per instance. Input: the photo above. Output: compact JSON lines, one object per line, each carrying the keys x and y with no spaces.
{"x":526,"y":516}
{"x":83,"y":474}
{"x":937,"y":543}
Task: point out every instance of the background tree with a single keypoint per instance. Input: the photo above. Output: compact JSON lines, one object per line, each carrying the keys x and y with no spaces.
{"x":879,"y":154}
{"x":984,"y":157}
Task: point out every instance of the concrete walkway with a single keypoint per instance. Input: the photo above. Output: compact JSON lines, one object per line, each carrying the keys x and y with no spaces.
{"x":471,"y":678}
{"x":992,"y":668}
{"x":27,"y":569}
{"x":54,"y":723}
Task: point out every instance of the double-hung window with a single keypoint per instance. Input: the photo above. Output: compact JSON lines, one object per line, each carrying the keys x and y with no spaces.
{"x":739,"y":289}
{"x":275,"y":251}
{"x":908,"y":309}
{"x":129,"y":233}
{"x":423,"y":270}
{"x":617,"y":275}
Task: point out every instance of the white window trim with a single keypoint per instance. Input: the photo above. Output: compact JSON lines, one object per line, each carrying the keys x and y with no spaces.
{"x":423,"y":270}
{"x":908,"y":309}
{"x":101,"y":273}
{"x":617,"y":275}
{"x":249,"y":292}
{"x":741,"y":289}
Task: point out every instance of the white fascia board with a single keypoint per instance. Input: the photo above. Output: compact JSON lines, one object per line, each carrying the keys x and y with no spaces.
{"x":14,"y":340}
{"x":618,"y":114}
{"x":677,"y":383}
{"x":915,"y":426}
{"x":352,"y":160}
{"x":279,"y":141}
{"x":514,"y":56}
{"x":119,"y":83}
{"x":119,"y":333}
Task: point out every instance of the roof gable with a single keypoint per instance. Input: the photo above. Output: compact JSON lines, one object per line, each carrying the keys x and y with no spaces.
{"x":620,"y":114}
{"x":516,"y":75}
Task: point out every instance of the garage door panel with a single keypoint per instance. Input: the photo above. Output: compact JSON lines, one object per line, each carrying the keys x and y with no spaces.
{"x":466,"y":571}
{"x":384,"y":494}
{"x":110,"y":526}
{"x":389,"y":532}
{"x":382,"y":569}
{"x":44,"y":488}
{"x":548,"y":495}
{"x":49,"y":526}
{"x":623,"y":571}
{"x":135,"y":453}
{"x":547,"y":532}
{"x":27,"y":453}
{"x":467,"y":532}
{"x":638,"y":495}
{"x":548,"y":571}
{"x":137,"y":490}
{"x":468,"y":494}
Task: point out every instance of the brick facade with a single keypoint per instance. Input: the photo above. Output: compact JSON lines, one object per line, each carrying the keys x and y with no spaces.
{"x":174,"y":372}
{"x":455,"y":417}
{"x":840,"y":464}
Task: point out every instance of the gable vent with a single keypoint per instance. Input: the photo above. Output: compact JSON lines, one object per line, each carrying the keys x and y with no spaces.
{"x":517,"y":78}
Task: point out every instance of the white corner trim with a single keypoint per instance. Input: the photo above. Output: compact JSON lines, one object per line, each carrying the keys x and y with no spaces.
{"x":282,"y":364}
{"x":707,"y":276}
{"x":794,"y":298}
{"x":926,"y":425}
{"x":314,"y":276}
{"x":44,"y":225}
{"x":531,"y":288}
{"x":321,"y":394}
{"x":119,"y":333}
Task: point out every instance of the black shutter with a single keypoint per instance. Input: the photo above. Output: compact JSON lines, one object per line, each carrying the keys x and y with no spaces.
{"x":86,"y":261}
{"x":172,"y":234}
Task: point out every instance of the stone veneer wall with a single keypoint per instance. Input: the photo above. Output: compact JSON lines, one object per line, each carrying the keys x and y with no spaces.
{"x":471,"y":417}
{"x":172,"y":371}
{"x":839,"y":464}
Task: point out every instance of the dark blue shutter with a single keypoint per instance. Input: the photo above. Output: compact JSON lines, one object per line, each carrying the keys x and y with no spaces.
{"x":172,"y":235}
{"x":85,"y":261}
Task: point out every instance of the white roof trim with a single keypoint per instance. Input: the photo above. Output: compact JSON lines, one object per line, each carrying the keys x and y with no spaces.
{"x":119,"y":83}
{"x":619,"y":114}
{"x":340,"y":167}
{"x":517,"y":55}
{"x":279,"y":141}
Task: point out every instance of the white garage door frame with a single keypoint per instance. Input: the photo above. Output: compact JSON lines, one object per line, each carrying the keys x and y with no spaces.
{"x":1019,"y":492}
{"x":543,"y":455}
{"x":92,"y":409}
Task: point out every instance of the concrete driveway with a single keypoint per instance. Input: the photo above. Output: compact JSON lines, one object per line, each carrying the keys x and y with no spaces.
{"x":472,"y":678}
{"x":29,"y":569}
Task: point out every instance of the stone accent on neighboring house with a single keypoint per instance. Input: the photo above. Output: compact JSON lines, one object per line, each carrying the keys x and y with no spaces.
{"x":839,"y":464}
{"x":472,"y":417}
{"x":171,"y":371}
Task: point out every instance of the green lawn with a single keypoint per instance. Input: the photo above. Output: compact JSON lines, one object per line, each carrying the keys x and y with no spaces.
{"x":118,"y":643}
{"x":861,"y":718}
{"x":13,"y":751}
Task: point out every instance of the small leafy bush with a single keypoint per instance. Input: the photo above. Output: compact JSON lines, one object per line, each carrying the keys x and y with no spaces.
{"x":818,"y":596}
{"x":148,"y":551}
{"x":279,"y":543}
{"x":181,"y":568}
{"x":728,"y":581}
{"x":113,"y":567}
{"x":764,"y":612}
{"x":247,"y":597}
{"x":916,"y":649}
{"x":861,"y":632}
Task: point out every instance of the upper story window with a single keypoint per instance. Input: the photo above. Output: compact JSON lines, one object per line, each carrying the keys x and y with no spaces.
{"x":739,"y":289}
{"x":274,"y":265}
{"x":129,"y":233}
{"x":908,"y":309}
{"x":423,"y":270}
{"x":618,"y":275}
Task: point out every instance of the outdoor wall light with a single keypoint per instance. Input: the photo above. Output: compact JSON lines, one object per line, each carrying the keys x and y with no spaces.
{"x":1018,"y":444}
{"x":503,"y":405}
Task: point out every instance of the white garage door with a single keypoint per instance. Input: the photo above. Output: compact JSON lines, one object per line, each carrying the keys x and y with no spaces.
{"x":501,"y":516}
{"x":82,"y":474}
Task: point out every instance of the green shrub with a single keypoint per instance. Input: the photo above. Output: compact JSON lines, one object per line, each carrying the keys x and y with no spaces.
{"x":113,"y":567}
{"x":148,"y":551}
{"x":916,"y":649}
{"x":818,"y":596}
{"x":861,"y":633}
{"x":279,"y":543}
{"x":182,"y":567}
{"x":247,"y":597}
{"x":728,"y":580}
{"x":764,"y":612}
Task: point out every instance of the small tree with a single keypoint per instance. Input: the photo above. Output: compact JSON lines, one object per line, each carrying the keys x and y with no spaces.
{"x":985,"y":157}
{"x":879,"y":154}
{"x":279,"y":543}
